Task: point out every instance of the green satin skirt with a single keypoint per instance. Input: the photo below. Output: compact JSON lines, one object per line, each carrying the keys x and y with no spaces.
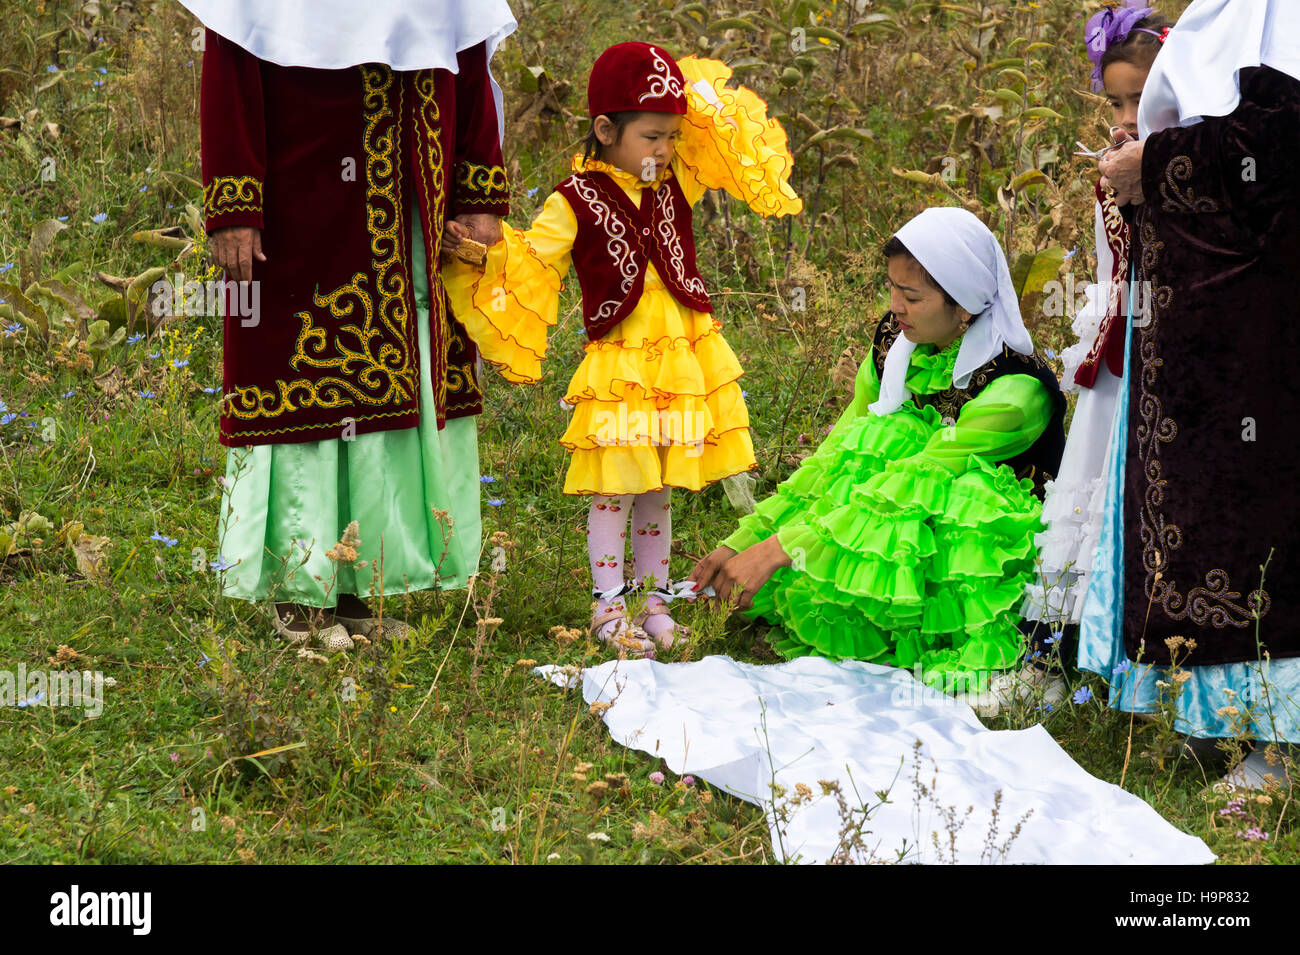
{"x":285,"y":505}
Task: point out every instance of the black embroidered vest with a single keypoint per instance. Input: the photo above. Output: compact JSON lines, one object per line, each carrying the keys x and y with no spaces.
{"x":1042,"y":459}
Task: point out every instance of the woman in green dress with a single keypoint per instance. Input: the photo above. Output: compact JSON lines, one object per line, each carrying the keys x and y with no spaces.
{"x":907,"y":538}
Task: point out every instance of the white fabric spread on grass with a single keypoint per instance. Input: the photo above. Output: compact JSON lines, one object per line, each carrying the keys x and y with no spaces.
{"x":830,"y":721}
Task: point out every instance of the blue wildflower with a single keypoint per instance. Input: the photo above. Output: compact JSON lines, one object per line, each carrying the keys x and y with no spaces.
{"x":99,"y":217}
{"x":744,"y":393}
{"x":1082,"y":695}
{"x":1046,"y":707}
{"x":532,"y":191}
{"x":144,"y":188}
{"x":1123,"y":667}
{"x":487,"y":479}
{"x":1036,"y":654}
{"x":137,"y":337}
{"x":69,"y":394}
{"x":63,"y":218}
{"x":40,"y":695}
{"x":211,"y":391}
{"x":496,"y":501}
{"x":1050,"y":353}
{"x":97,"y":83}
{"x":180,"y":363}
{"x":163,"y":539}
{"x":5,"y":419}
{"x":145,"y":394}
{"x":103,"y":71}
{"x":5,"y":267}
{"x":205,"y":661}
{"x":1056,"y":635}
{"x":220,"y":564}
{"x":13,"y":329}
{"x":155,"y":354}
{"x":51,"y":69}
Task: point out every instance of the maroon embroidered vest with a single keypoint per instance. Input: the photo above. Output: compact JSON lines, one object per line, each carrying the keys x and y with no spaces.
{"x":616,"y":239}
{"x":1108,"y":346}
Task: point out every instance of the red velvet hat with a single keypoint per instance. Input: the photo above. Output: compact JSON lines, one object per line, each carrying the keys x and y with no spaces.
{"x":635,"y":76}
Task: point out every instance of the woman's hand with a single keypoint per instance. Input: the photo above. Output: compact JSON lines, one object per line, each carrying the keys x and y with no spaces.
{"x":740,"y":576}
{"x":234,"y":249}
{"x":1121,"y":171}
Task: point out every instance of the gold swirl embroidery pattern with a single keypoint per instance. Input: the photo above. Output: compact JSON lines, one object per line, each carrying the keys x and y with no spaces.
{"x":380,"y":371}
{"x":429,"y":155}
{"x":227,"y":194}
{"x":1214,"y":603}
{"x":482,"y":185}
{"x":1183,"y":199}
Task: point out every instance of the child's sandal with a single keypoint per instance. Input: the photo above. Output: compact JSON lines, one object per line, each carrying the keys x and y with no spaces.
{"x":676,"y":635}
{"x":629,"y":638}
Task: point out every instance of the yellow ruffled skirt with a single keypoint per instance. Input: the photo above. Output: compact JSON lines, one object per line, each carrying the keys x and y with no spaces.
{"x":656,"y":403}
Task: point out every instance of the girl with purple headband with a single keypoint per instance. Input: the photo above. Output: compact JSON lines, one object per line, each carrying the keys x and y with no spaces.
{"x":1122,"y":44}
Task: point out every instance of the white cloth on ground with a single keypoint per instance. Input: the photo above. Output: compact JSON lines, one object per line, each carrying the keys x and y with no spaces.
{"x":744,"y":727}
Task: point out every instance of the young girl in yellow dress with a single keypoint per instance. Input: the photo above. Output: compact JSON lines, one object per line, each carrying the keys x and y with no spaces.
{"x":656,"y":400}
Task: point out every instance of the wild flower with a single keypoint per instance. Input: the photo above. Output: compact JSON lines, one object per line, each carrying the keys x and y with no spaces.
{"x":99,"y":217}
{"x":1082,"y":695}
{"x":345,"y":551}
{"x":1123,"y":667}
{"x":1253,"y":834}
{"x":495,"y":501}
{"x":135,"y":339}
{"x":1054,"y":638}
{"x":657,"y":778}
{"x":163,"y":539}
{"x":486,"y":479}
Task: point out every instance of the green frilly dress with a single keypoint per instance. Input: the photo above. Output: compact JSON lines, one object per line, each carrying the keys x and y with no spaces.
{"x":910,"y":544}
{"x":285,"y":505}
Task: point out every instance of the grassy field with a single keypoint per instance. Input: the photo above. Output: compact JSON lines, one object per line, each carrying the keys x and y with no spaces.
{"x":446,"y":748}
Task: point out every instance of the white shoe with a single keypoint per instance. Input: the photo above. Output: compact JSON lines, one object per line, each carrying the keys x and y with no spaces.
{"x":1007,"y":688}
{"x":331,"y":638}
{"x":368,"y":627}
{"x":1254,"y":772}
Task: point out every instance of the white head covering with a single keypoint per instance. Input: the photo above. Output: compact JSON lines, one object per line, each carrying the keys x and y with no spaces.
{"x":1195,"y":74}
{"x":967,"y":261}
{"x":335,"y":34}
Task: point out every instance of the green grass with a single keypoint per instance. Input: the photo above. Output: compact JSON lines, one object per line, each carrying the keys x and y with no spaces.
{"x":446,"y":748}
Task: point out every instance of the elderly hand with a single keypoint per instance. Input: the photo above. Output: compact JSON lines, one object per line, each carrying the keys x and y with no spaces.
{"x":234,"y":249}
{"x":1121,"y":171}
{"x":740,"y":576}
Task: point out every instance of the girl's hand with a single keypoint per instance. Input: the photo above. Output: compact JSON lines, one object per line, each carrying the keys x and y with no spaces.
{"x":452,"y":233}
{"x":479,"y":226}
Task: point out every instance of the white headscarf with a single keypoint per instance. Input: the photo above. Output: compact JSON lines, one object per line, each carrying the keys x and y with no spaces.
{"x":967,"y":261}
{"x":1195,"y":74}
{"x":335,"y":34}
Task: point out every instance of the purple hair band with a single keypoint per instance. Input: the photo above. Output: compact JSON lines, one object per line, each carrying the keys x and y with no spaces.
{"x":1108,"y":27}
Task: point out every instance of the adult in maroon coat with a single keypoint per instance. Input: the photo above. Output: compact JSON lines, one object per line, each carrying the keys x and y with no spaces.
{"x":337,"y":144}
{"x":1213,"y":436}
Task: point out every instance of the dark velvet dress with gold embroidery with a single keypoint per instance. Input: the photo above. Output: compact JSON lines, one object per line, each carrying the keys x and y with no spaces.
{"x":1214,"y":439}
{"x":331,"y":165}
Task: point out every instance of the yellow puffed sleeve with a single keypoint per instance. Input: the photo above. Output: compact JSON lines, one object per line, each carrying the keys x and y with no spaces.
{"x":728,"y":142}
{"x":508,"y":304}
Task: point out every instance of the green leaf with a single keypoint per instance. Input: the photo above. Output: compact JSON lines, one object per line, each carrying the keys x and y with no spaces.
{"x":731,"y":23}
{"x":1044,"y":267}
{"x":26,"y":311}
{"x":1041,"y":112}
{"x":1030,"y":177}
